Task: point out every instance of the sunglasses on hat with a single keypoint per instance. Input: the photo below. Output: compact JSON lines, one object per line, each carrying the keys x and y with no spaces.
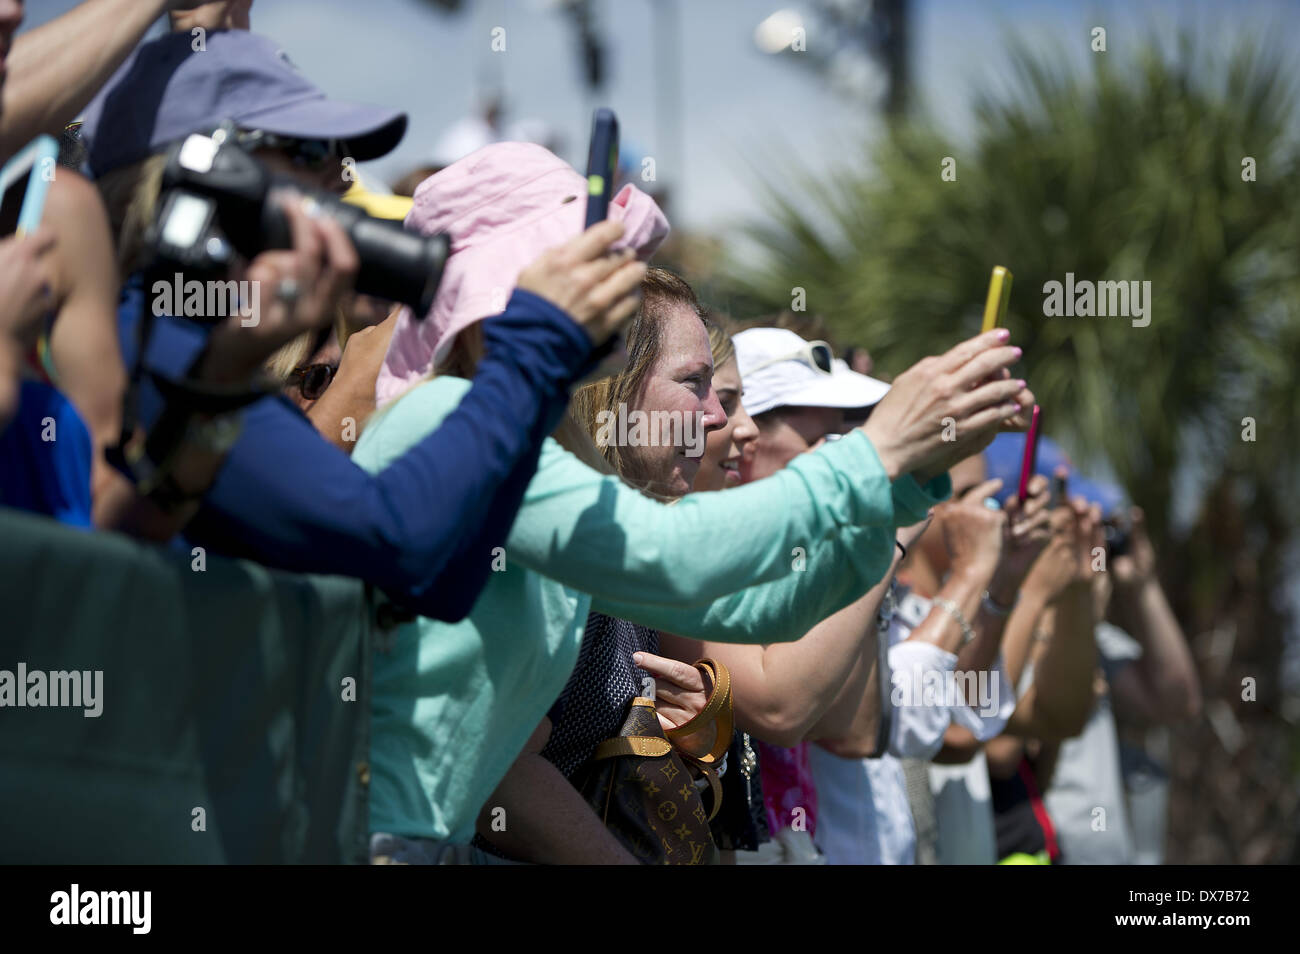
{"x":815,"y":354}
{"x":310,"y":154}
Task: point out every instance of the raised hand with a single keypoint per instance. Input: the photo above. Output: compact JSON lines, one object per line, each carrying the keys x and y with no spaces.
{"x":680,"y":695}
{"x":1028,"y":530}
{"x":972,"y":532}
{"x":946,"y":408}
{"x":1138,"y":565}
{"x":222,"y":15}
{"x":1066,"y":561}
{"x":294,"y":290}
{"x":598,"y":288}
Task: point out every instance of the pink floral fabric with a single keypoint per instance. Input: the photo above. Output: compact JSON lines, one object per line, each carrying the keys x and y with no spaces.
{"x":788,"y":790}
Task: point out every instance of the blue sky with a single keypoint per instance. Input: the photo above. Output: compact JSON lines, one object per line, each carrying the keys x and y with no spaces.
{"x":738,"y":106}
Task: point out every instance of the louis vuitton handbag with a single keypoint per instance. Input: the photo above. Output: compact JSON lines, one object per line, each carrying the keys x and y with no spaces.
{"x":646,"y":786}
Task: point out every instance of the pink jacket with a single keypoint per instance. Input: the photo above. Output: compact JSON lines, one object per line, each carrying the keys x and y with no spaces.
{"x":502,"y":207}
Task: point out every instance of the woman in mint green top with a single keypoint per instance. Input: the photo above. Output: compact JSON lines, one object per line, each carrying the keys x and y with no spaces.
{"x":454,"y":703}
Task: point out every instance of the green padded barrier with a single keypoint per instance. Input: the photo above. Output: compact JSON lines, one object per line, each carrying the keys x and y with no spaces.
{"x":221,"y":690}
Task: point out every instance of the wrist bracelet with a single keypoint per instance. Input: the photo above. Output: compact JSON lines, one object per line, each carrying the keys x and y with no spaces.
{"x":951,"y":608}
{"x":901,"y":549}
{"x":994,"y":607}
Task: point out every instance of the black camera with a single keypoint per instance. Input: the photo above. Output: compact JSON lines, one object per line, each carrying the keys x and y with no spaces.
{"x":214,"y":203}
{"x":1118,"y":536}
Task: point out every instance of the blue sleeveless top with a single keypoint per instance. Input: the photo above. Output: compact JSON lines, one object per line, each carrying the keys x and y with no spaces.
{"x":45,"y":455}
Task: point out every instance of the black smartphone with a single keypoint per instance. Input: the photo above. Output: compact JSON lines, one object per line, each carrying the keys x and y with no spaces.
{"x":1060,"y":490}
{"x":1117,"y":531}
{"x":602,"y":165}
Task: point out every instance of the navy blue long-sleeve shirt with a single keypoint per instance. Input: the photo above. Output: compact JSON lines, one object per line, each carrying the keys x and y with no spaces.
{"x":423,"y":529}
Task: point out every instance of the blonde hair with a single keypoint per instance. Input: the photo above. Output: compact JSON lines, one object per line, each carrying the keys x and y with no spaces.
{"x":467,"y":350}
{"x":720,"y":341}
{"x":577,"y":431}
{"x":296,"y":353}
{"x":131,"y":196}
{"x":462,"y":360}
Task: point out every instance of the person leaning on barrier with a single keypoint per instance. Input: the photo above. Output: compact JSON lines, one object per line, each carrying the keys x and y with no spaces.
{"x":69,"y":409}
{"x":70,"y":406}
{"x":586,"y":540}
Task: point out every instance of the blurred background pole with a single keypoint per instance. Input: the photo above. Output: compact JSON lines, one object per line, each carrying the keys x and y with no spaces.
{"x":862,"y":48}
{"x":895,"y":50}
{"x":591,"y":55}
{"x":669,"y":107}
{"x":491,"y":78}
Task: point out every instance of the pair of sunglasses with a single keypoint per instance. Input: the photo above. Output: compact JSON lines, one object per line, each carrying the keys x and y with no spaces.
{"x":310,"y":154}
{"x":815,"y":354}
{"x":312,"y":379}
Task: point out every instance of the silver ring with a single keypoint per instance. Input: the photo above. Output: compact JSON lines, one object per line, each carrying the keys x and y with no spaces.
{"x":992,"y":503}
{"x":288,"y":291}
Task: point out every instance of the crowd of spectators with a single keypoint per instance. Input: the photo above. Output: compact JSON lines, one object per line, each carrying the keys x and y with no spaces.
{"x":673,"y":592}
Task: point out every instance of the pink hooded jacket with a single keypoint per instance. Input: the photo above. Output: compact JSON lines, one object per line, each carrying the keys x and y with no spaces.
{"x":502,"y":207}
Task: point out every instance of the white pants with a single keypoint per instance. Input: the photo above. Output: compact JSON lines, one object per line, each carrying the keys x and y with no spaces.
{"x":787,"y":847}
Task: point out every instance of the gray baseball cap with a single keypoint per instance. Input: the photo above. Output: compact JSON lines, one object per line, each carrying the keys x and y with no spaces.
{"x":167,"y":90}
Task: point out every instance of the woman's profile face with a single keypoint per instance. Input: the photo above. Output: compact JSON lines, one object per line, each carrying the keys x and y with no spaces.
{"x":785,"y":435}
{"x":679,"y":385}
{"x":726,"y":447}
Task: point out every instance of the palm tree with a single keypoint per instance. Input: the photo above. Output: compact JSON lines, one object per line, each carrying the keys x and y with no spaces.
{"x":1135,"y":169}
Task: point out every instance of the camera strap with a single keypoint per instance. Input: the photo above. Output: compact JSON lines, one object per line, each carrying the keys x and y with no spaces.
{"x":183,"y":400}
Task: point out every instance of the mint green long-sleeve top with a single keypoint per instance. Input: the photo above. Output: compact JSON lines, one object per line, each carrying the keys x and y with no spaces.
{"x":454,"y":703}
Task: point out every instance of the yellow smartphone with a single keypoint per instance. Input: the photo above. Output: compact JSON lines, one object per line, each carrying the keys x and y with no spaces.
{"x":995,"y":306}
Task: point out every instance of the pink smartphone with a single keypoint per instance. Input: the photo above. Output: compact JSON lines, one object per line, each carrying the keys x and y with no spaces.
{"x":1030,"y":461}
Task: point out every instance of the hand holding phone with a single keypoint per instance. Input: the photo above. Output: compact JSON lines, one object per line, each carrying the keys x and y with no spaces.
{"x":602,"y":165}
{"x":1030,"y":461}
{"x":595,"y":284}
{"x":1060,"y":490}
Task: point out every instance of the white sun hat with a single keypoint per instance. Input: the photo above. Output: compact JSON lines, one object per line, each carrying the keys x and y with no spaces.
{"x":780,"y":369}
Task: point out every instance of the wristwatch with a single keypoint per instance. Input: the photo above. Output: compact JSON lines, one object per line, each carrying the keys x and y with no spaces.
{"x":215,"y":435}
